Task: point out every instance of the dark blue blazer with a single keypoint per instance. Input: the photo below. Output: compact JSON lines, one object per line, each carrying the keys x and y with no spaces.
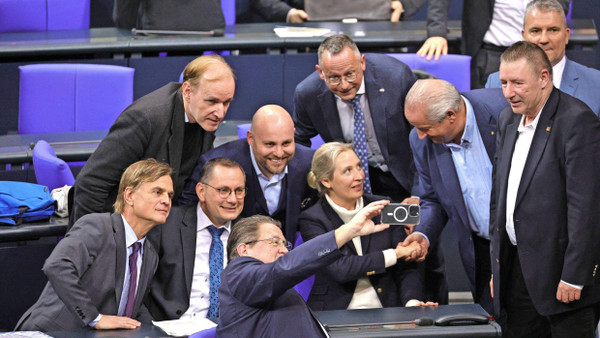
{"x":259,"y":300}
{"x":297,"y":194}
{"x":441,"y":198}
{"x":577,"y":80}
{"x":387,"y":81}
{"x":556,"y":212}
{"x":335,"y":284}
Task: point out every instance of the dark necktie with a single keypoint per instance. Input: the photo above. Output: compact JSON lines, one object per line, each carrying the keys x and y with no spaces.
{"x":132,"y":278}
{"x":359,"y":140}
{"x":215,"y":257}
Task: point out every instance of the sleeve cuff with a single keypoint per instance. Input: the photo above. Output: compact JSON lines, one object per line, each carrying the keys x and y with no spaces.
{"x":426,"y":238}
{"x":95,"y":321}
{"x":389,"y":256}
{"x":578,"y":287}
{"x":412,"y":302}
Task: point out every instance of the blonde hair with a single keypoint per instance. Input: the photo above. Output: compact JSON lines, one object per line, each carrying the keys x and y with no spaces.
{"x":323,"y":164}
{"x":200,"y":65}
{"x":138,"y":173}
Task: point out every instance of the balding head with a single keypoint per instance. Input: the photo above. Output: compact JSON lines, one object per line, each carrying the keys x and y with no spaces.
{"x":271,"y":138}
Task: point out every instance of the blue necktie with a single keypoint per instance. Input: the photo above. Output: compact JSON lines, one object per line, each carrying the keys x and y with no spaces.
{"x":359,"y":140}
{"x":215,"y":257}
{"x":132,"y":279}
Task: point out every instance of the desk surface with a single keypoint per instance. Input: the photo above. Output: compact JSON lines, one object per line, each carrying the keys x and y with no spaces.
{"x":367,"y":34}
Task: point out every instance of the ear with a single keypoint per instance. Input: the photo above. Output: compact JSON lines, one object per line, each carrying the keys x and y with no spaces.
{"x":186,"y":90}
{"x":451,"y":115}
{"x":363,"y":63}
{"x":568,"y":35}
{"x":242,"y":249}
{"x":128,"y":196}
{"x":249,"y":137}
{"x":200,"y":191}
{"x":320,"y":71}
{"x":545,"y":78}
{"x":326,"y":183}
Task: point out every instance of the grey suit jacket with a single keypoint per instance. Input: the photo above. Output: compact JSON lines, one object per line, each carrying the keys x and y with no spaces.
{"x":175,"y":241}
{"x":151,"y":127}
{"x":83,"y":279}
{"x":578,"y":81}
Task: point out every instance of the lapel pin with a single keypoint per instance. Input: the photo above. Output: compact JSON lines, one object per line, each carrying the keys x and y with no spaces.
{"x":548,"y":129}
{"x":493,"y":132}
{"x":381,"y":90}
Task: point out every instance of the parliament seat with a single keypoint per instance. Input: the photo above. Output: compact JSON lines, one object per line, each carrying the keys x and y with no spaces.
{"x":44,"y":15}
{"x":455,"y":69}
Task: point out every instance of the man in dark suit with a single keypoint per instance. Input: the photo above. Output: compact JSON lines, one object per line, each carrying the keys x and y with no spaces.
{"x":248,"y":11}
{"x":544,"y":208}
{"x":257,"y":294}
{"x":453,"y":145}
{"x":276,"y":167}
{"x":188,"y":275}
{"x":197,"y":15}
{"x":323,"y":105}
{"x":174,"y":124}
{"x":546,"y":26}
{"x":488,"y":28}
{"x":91,"y":280}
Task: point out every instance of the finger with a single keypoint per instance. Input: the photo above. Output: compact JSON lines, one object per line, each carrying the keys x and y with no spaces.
{"x":577,"y":294}
{"x":421,"y":52}
{"x":430,"y":54}
{"x":438,"y":50}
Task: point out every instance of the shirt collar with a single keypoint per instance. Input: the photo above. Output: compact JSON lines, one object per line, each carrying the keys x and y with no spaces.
{"x":533,"y":124}
{"x":557,"y":72}
{"x":204,"y":222}
{"x":278,"y":177}
{"x":130,"y":236}
{"x":470,"y":125}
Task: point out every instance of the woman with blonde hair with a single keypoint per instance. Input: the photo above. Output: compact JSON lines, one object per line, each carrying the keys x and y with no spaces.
{"x":373,"y":273}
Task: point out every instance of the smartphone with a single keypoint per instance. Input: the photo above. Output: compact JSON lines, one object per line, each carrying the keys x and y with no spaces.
{"x":401,"y":214}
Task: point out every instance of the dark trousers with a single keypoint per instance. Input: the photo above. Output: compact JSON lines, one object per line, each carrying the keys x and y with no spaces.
{"x":523,"y":320}
{"x":485,"y":62}
{"x":384,"y":184}
{"x":483,"y":273}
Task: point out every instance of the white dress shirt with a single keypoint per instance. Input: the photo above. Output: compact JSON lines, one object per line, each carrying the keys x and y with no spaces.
{"x":507,"y":22}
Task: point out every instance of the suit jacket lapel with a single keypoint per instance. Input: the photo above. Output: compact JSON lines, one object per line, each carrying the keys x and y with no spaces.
{"x":188,"y":230}
{"x":450,"y":180}
{"x":121,"y":254}
{"x":149,"y":262}
{"x":377,"y":108}
{"x":568,"y":84}
{"x":503,"y":166}
{"x":334,"y":221}
{"x":175,"y":142}
{"x":330,"y":114}
{"x":538,"y":144}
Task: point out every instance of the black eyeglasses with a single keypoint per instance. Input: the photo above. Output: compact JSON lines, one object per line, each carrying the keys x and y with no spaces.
{"x":274,"y":242}
{"x":226,"y":191}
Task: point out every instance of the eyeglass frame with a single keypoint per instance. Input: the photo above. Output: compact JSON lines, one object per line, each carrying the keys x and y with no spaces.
{"x":243,"y":190}
{"x":346,"y":77}
{"x":274,"y":242}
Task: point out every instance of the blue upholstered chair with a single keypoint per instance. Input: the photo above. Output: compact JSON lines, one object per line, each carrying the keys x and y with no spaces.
{"x":50,"y":170}
{"x":304,"y":287}
{"x":72,"y":97}
{"x":208,"y":333}
{"x":228,"y":8}
{"x":242,"y":129}
{"x":44,"y":15}
{"x":455,"y":69}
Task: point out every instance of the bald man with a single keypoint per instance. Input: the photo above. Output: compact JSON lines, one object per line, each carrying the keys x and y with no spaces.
{"x":276,"y":169}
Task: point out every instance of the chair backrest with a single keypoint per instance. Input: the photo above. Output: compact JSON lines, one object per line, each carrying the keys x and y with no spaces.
{"x":44,"y":15}
{"x":228,"y":8}
{"x":208,"y":333}
{"x":304,"y":287}
{"x":243,"y":128}
{"x":50,"y":170}
{"x":72,"y":97}
{"x":455,"y":69}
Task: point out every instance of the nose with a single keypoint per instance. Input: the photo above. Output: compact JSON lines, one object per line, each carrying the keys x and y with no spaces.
{"x":543,"y":38}
{"x":278,"y":151}
{"x":421,"y":134}
{"x":165,"y":199}
{"x":231,"y":198}
{"x":360,"y":174}
{"x":507,"y":90}
{"x":283,"y":250}
{"x":221,"y":110}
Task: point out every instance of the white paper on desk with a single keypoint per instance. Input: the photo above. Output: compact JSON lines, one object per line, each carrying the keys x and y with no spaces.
{"x":184,"y":327}
{"x":24,"y":334}
{"x":300,"y":32}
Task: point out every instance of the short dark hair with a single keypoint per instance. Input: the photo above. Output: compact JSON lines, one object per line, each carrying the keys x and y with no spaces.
{"x":534,"y":55}
{"x":246,"y":230}
{"x":209,"y":166}
{"x":335,"y":44}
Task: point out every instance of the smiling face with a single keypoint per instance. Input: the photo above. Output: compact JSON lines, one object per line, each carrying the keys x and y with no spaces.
{"x":264,"y":250}
{"x":151,"y":202}
{"x":548,"y":30}
{"x":339,"y":66}
{"x":345,"y":186}
{"x":221,"y":210}
{"x":207,"y":103}
{"x":523,"y":87}
{"x":272,"y":139}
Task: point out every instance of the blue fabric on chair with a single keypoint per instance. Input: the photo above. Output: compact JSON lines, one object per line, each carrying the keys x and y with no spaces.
{"x":208,"y":333}
{"x":242,"y":129}
{"x":228,"y":8}
{"x":50,"y":170}
{"x":44,"y":15}
{"x":304,"y":287}
{"x":72,"y":97}
{"x":455,"y":69}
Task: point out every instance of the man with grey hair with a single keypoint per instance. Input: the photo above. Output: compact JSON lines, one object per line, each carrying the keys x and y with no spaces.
{"x":546,"y":26}
{"x":453,"y":145}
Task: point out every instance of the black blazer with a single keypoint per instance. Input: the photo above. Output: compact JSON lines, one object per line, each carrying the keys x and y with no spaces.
{"x":556,"y":213}
{"x":335,"y":284}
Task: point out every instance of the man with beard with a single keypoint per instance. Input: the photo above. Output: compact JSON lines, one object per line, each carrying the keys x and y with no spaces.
{"x":196,"y":236}
{"x":276,"y":167}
